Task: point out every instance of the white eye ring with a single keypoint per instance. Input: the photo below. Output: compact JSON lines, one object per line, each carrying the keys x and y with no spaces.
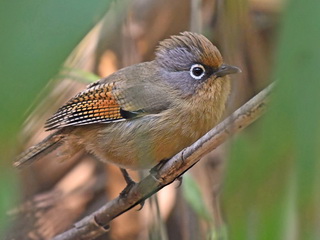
{"x":197,"y":71}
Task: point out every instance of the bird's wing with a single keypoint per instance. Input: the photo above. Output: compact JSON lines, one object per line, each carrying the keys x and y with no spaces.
{"x":110,"y":101}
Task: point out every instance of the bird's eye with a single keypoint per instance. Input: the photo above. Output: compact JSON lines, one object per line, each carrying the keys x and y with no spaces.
{"x":197,"y":71}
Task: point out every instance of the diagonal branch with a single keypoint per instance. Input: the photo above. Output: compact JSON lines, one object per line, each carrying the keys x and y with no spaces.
{"x":96,"y":224}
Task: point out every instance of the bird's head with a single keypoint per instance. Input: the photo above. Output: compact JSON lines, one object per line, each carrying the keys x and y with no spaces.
{"x":188,"y":60}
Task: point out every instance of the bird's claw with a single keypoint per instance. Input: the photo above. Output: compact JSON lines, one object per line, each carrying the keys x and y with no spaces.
{"x":141,"y":205}
{"x":126,"y":190}
{"x":180,"y":178}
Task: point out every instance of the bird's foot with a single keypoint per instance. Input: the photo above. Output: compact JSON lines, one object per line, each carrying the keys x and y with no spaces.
{"x":129,"y":181}
{"x":157,"y":167}
{"x":180,"y":178}
{"x":141,"y":205}
{"x":130,"y":185}
{"x":126,"y":190}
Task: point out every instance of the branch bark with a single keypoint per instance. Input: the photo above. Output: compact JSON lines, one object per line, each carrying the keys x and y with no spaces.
{"x":96,"y":224}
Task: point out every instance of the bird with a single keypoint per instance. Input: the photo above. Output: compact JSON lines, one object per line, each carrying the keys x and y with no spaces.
{"x":144,"y":113}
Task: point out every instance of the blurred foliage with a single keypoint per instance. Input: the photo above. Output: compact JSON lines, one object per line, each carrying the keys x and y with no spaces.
{"x":77,"y":75}
{"x":271,"y":189}
{"x":194,"y":198}
{"x":36,"y":38}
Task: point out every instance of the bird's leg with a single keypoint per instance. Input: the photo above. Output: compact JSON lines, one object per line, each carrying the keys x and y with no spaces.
{"x":129,"y":181}
{"x":156,"y":168}
{"x":130,"y":184}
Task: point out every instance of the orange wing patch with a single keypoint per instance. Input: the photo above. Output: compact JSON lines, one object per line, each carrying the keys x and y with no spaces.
{"x":94,"y":105}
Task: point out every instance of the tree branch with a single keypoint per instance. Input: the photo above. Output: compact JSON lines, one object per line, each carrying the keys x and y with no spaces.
{"x":96,"y":224}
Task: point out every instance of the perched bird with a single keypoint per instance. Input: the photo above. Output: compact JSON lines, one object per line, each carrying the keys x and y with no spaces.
{"x":144,"y":113}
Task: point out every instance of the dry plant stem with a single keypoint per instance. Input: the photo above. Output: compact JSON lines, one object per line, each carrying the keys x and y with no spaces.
{"x":96,"y":224}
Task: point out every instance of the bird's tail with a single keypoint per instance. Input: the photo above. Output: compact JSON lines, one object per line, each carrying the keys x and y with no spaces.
{"x":44,"y":147}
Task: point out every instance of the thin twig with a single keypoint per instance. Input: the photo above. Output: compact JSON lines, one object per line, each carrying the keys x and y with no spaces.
{"x":96,"y":224}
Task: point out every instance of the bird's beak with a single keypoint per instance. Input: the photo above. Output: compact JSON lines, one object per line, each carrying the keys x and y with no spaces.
{"x":227,"y":69}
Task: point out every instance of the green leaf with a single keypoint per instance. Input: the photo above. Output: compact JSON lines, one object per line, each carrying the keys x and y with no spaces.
{"x":36,"y":38}
{"x":193,"y":196}
{"x":271,"y":188}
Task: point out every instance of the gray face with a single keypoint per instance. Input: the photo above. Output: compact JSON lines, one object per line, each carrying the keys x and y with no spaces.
{"x":182,"y":68}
